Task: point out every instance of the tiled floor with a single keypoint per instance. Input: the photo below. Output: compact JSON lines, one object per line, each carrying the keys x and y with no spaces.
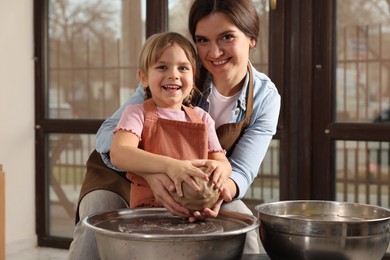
{"x":40,"y":253}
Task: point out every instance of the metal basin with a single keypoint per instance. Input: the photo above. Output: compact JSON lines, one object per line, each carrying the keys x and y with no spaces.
{"x":323,"y":230}
{"x":113,"y":244}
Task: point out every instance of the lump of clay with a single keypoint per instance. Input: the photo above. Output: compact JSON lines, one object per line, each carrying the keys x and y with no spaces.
{"x":194,"y":200}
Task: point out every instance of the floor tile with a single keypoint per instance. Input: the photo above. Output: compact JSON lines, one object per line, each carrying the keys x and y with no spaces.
{"x":40,"y":253}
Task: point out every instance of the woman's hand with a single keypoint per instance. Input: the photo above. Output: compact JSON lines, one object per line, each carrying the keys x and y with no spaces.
{"x":161,"y":184}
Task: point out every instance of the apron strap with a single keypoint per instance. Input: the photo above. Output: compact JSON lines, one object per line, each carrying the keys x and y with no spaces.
{"x":249,"y":99}
{"x":151,"y":112}
{"x":191,"y":113}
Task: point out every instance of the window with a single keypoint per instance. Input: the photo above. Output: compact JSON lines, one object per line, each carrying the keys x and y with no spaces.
{"x":87,"y":56}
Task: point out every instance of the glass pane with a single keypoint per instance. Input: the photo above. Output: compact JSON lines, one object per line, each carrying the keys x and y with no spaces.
{"x":178,"y":11}
{"x":265,"y":188}
{"x":92,"y":56}
{"x":363,"y":65}
{"x":363,"y":172}
{"x":66,"y":170}
{"x":260,"y":55}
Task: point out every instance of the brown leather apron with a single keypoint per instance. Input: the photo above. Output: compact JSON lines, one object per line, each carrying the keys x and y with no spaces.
{"x":99,"y":176}
{"x":176,"y":139}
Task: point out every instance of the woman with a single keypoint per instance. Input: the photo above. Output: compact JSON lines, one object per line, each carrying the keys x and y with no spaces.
{"x":243,"y":102}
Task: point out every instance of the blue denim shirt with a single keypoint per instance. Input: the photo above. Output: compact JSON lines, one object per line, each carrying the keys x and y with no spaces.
{"x":250,"y":150}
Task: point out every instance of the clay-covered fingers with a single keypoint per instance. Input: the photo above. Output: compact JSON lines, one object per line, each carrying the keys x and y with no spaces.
{"x":218,"y":179}
{"x":179,"y":188}
{"x":213,"y":212}
{"x":160,"y":185}
{"x":207,"y":166}
{"x":207,"y":212}
{"x":190,"y":181}
{"x":197,"y":215}
{"x":183,"y":171}
{"x":200,"y":171}
{"x":175,"y":209}
{"x":217,"y":171}
{"x":225,"y":194}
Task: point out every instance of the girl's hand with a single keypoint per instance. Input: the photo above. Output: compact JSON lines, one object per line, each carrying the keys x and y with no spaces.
{"x":220,"y":170}
{"x":183,"y":171}
{"x":161,"y":184}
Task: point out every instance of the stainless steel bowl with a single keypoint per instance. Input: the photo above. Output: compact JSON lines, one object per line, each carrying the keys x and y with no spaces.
{"x":323,"y":230}
{"x":117,"y":245}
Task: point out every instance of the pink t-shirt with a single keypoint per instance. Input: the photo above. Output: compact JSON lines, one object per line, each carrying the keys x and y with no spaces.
{"x":132,"y":120}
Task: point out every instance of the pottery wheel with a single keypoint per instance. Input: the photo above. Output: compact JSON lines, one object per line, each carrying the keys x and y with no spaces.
{"x":166,"y":225}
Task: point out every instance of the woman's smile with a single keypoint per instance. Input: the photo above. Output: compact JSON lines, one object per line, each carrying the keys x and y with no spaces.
{"x":224,"y":50}
{"x":220,"y":62}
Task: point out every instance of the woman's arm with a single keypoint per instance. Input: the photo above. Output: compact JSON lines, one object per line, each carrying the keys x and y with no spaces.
{"x":104,"y":135}
{"x":251,"y":148}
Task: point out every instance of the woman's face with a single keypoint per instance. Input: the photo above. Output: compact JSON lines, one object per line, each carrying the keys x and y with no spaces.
{"x":170,"y":79}
{"x":223,"y":48}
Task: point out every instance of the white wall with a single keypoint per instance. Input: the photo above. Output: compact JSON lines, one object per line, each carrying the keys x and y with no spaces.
{"x":17,"y":121}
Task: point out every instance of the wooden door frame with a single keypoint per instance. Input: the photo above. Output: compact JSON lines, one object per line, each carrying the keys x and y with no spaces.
{"x":296,"y":113}
{"x":323,"y":180}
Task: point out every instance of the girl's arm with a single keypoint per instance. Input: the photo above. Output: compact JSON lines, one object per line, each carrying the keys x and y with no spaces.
{"x":126,"y":155}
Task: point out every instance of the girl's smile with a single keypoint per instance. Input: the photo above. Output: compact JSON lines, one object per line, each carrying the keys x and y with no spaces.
{"x":172,"y":88}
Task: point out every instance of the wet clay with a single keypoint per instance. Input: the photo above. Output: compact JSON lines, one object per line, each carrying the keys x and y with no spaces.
{"x":194,"y":200}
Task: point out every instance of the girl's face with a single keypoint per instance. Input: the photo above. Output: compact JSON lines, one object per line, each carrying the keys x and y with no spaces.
{"x":170,"y":79}
{"x":223,"y":48}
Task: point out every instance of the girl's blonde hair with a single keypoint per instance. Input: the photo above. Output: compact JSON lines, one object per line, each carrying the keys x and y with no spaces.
{"x":154,"y":47}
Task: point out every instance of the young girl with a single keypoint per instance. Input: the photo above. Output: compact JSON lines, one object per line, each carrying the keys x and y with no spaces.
{"x":163,"y":135}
